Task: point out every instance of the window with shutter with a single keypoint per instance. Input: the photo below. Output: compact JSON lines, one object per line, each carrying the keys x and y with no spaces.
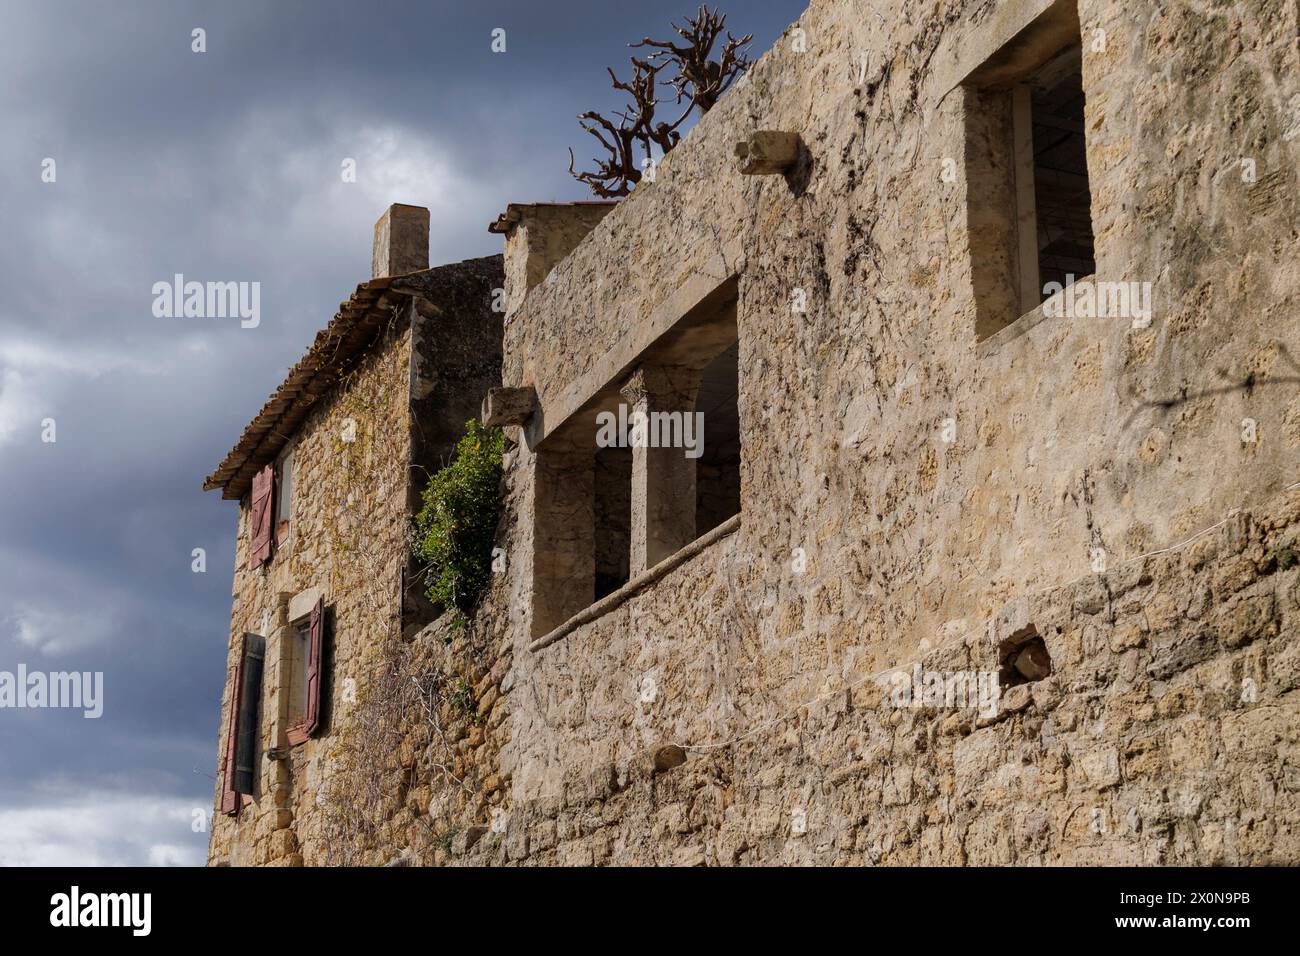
{"x":250,"y":700}
{"x":306,"y":673}
{"x":283,"y":499}
{"x":314,"y":655}
{"x":229,"y":796}
{"x":261,"y":517}
{"x":241,"y":734}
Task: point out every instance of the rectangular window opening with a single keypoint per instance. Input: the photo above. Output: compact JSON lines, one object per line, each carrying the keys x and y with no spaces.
{"x":1029,"y":201}
{"x":613,"y":518}
{"x":239,"y":778}
{"x":284,"y":498}
{"x":612,"y":502}
{"x":297,"y":657}
{"x":717,"y":472}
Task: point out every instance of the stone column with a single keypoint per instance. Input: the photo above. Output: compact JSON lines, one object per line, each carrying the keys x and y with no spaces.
{"x":663,"y":478}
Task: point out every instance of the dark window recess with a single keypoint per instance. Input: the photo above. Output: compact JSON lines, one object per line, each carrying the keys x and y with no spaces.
{"x":1061,"y":193}
{"x":717,"y":472}
{"x":1028,"y":200}
{"x":242,"y":736}
{"x":613,"y":518}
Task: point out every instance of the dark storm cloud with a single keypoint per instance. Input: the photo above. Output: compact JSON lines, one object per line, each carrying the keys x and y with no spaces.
{"x":222,"y":166}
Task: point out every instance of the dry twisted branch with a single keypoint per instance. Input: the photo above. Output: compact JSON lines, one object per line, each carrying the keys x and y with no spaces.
{"x":698,"y":81}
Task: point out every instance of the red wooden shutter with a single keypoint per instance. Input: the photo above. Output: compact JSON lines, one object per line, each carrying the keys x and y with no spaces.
{"x":261,"y":519}
{"x":229,"y":796}
{"x":314,"y":650}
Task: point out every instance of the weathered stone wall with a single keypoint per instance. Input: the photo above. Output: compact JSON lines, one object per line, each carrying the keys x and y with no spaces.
{"x":1059,"y":444}
{"x":456,"y":338}
{"x":360,"y":462}
{"x":1167,"y":733}
{"x":542,"y":235}
{"x":457,"y":358}
{"x":920,"y":479}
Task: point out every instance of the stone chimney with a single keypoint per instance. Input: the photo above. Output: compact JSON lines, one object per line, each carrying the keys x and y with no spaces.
{"x":537,"y":237}
{"x":401,"y":241}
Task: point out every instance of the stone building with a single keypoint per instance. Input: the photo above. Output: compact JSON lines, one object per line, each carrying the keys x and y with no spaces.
{"x":990,"y":551}
{"x":327,"y":476}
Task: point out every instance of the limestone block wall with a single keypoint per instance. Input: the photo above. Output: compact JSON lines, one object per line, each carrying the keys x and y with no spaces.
{"x":911,"y":493}
{"x":1167,"y":733}
{"x":537,"y":236}
{"x":360,"y":462}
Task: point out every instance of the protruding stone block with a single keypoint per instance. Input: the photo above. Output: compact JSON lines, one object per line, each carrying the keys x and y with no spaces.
{"x":668,"y":758}
{"x":509,"y":406}
{"x":401,"y":241}
{"x":767,"y":152}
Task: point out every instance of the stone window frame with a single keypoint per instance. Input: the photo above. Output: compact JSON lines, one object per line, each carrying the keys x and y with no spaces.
{"x":558,"y":466}
{"x":294,"y":654}
{"x":1019,"y":39}
{"x":295,"y":612}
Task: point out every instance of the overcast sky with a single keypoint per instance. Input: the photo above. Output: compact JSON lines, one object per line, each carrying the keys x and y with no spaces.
{"x":223,"y":165}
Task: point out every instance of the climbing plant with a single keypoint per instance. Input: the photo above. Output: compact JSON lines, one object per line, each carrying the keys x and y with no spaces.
{"x":457,"y":521}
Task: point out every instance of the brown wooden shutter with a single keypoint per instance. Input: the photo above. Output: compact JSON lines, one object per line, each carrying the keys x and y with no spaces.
{"x":315,"y":651}
{"x":250,"y":706}
{"x":230,"y":796}
{"x":261,"y":518}
{"x":241,"y":729}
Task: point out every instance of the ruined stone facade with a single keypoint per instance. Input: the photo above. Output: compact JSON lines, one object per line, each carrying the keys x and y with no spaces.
{"x":936,"y":477}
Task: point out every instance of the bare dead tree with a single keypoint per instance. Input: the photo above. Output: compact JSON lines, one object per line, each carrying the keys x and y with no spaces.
{"x":616,"y":175}
{"x":698,"y":81}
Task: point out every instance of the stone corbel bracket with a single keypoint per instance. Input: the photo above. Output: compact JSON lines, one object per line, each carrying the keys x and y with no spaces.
{"x":509,"y":406}
{"x":767,"y":152}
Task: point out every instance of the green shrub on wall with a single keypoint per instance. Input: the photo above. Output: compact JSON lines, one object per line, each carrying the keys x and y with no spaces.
{"x":458,"y":519}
